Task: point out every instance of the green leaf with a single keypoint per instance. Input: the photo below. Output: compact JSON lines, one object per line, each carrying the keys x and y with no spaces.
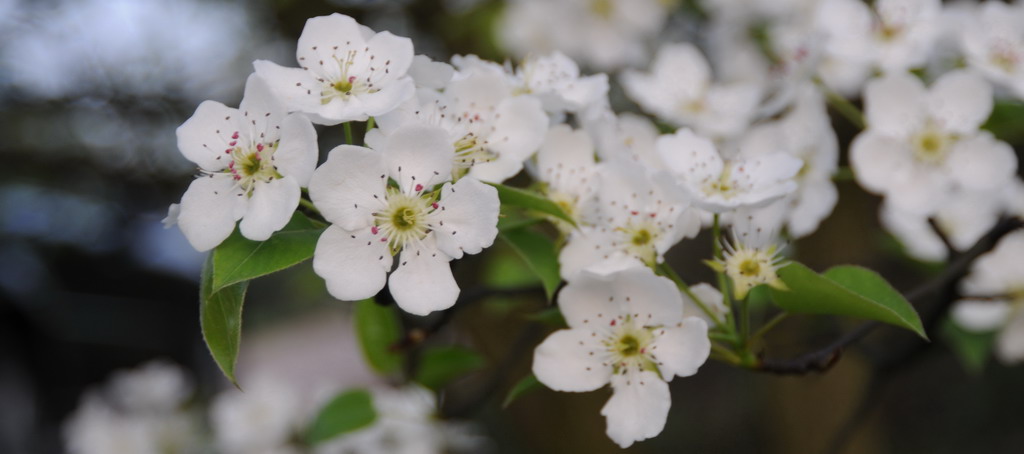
{"x":845,"y":290}
{"x":531,"y":201}
{"x":539,"y":253}
{"x":441,"y":365}
{"x":973,"y":349}
{"x":220,"y":315}
{"x":378,"y":329}
{"x":349,"y":411}
{"x":238,"y":259}
{"x":550,"y":316}
{"x":525,"y":385}
{"x":1004,"y":122}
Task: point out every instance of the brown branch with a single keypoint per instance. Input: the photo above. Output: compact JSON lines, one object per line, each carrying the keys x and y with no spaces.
{"x":823,"y":359}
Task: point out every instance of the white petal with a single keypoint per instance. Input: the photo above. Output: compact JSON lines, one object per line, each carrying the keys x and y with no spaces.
{"x":270,"y":208}
{"x":519,"y":127}
{"x":571,"y":360}
{"x":496,"y":171}
{"x":587,"y":302}
{"x":710,"y":297}
{"x":322,"y":33}
{"x":466,"y":219}
{"x":691,"y":158}
{"x":564,"y":148}
{"x":423,"y":282}
{"x":298,"y":151}
{"x":260,"y":109}
{"x":205,"y":136}
{"x":960,"y":101}
{"x":430,"y":74}
{"x":918,"y":238}
{"x":877,"y":159}
{"x":396,"y":53}
{"x":590,"y":249}
{"x":388,"y":98}
{"x":420,"y":156}
{"x":1010,"y":343}
{"x":895,"y":105}
{"x":816,"y":200}
{"x":651,"y":299}
{"x":638,"y":407}
{"x":353,"y":263}
{"x":207,"y":215}
{"x":682,"y":350}
{"x":295,"y":87}
{"x":982,"y":162}
{"x":172,"y":216}
{"x":350,"y":186}
{"x":980,"y":315}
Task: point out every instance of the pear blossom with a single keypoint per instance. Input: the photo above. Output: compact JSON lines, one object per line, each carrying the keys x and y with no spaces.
{"x":565,"y":163}
{"x":490,"y":130}
{"x":805,"y":132}
{"x":923,"y":145}
{"x":992,"y":41}
{"x":347,"y":72}
{"x":422,"y":217}
{"x":627,"y":135}
{"x":603,"y":34}
{"x":642,"y":214}
{"x":720,"y":185}
{"x":556,"y":80}
{"x":893,"y":36}
{"x":627,"y":329}
{"x":263,"y":419}
{"x":995,"y":297}
{"x":252,"y":163}
{"x":751,"y":259}
{"x":679,"y":89}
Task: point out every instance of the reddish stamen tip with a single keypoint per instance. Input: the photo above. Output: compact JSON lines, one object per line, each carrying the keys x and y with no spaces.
{"x":231,"y":165}
{"x":612,"y":323}
{"x":384,"y":240}
{"x":235,"y":135}
{"x":228,"y":151}
{"x":233,"y":143}
{"x":434,"y":205}
{"x":653,"y":214}
{"x":259,"y":147}
{"x":351,"y":79}
{"x":419,"y":187}
{"x":374,"y":230}
{"x":635,"y":213}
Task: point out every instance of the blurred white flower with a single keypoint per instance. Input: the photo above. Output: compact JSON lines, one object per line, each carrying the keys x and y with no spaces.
{"x":264,"y":419}
{"x":252,"y":162}
{"x":995,"y":297}
{"x":627,"y":329}
{"x":565,"y":164}
{"x":679,"y":89}
{"x":625,"y":135}
{"x":603,"y":34}
{"x":992,"y":39}
{"x":921,"y":145}
{"x":347,"y":72}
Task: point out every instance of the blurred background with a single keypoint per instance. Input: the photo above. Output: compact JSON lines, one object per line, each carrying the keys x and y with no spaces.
{"x":91,"y":92}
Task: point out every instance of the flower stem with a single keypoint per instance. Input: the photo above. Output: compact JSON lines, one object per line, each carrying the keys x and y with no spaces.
{"x":767,"y":326}
{"x":308,"y":205}
{"x":723,"y":283}
{"x":370,"y":123}
{"x":348,"y":132}
{"x":841,"y":105}
{"x":670,"y":273}
{"x":724,"y":354}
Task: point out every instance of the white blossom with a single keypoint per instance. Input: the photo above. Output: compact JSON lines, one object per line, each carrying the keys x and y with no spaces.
{"x":347,"y":72}
{"x":679,"y":89}
{"x":625,"y":135}
{"x":993,"y":42}
{"x":423,"y":217}
{"x":995,"y":297}
{"x":720,"y":185}
{"x":627,"y":329}
{"x":252,"y":162}
{"x":565,"y":164}
{"x":263,"y":419}
{"x":922,"y":145}
{"x":641,"y":215}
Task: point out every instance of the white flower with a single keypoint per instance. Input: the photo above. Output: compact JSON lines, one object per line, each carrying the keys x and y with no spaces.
{"x":347,"y":72}
{"x":263,"y":419}
{"x":752,"y":258}
{"x":922,"y":145}
{"x":252,"y":162}
{"x":556,"y":80}
{"x":720,"y":185}
{"x":374,"y":220}
{"x":430,"y":74}
{"x":993,"y":42}
{"x":893,"y":36}
{"x":490,"y":131}
{"x":963,"y":217}
{"x":679,"y":90}
{"x":996,"y":297}
{"x":604,"y":34}
{"x":805,"y":132}
{"x":565,"y":164}
{"x":627,"y":329}
{"x":642,"y":215}
{"x":627,"y":135}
